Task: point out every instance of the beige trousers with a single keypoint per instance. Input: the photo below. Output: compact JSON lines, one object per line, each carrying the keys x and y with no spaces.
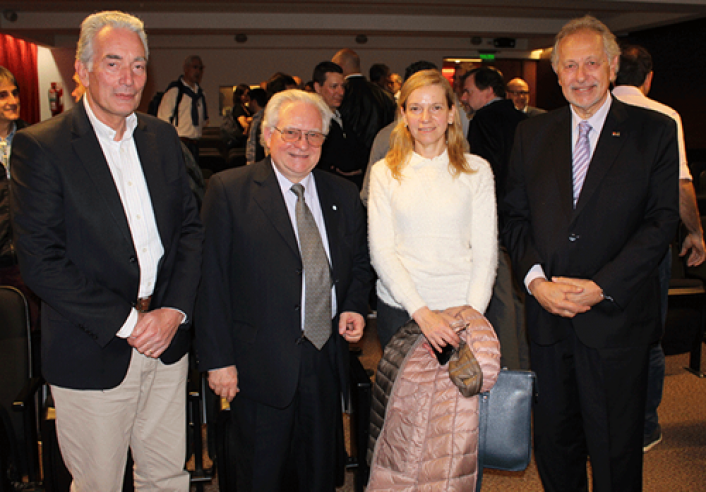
{"x":146,"y":412}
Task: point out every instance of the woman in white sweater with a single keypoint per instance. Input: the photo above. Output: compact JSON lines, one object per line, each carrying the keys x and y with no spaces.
{"x":432,"y":217}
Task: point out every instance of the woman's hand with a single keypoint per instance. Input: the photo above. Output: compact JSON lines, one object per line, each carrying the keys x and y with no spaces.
{"x":436,"y":327}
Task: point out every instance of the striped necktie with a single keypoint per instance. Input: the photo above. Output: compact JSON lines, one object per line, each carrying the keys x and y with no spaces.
{"x":582,"y":158}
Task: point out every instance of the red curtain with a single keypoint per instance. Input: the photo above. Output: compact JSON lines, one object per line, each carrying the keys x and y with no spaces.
{"x":20,"y":58}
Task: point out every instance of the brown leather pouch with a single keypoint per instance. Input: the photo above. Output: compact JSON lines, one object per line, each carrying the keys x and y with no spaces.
{"x":464,"y":370}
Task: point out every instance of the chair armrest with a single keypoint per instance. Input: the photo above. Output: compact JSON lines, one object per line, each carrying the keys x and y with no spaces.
{"x":23,"y":399}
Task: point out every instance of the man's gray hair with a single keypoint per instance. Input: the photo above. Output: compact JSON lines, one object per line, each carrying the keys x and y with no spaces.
{"x":278,"y":102}
{"x":93,"y":24}
{"x":588,"y":23}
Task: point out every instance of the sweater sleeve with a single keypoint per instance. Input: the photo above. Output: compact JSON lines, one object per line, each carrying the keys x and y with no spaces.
{"x":392,"y":273}
{"x":484,"y":237}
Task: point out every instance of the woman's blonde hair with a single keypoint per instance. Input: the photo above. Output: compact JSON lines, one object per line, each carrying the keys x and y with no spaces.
{"x":401,"y":140}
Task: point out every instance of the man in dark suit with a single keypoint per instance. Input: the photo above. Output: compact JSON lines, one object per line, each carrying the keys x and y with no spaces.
{"x":586,"y":230}
{"x":341,"y":152}
{"x":258,"y":334}
{"x":108,"y":235}
{"x":518,"y":92}
{"x":492,"y":129}
{"x":366,"y":107}
{"x":490,"y":135}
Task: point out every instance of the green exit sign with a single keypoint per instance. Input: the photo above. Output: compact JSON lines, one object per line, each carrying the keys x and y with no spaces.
{"x":487,"y":56}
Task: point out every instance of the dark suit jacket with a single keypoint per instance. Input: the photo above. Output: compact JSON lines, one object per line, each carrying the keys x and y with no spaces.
{"x":76,"y":251}
{"x":248,"y":309}
{"x":367,"y":108}
{"x":342,"y":150}
{"x":491,"y":133}
{"x":532,"y":111}
{"x":625,"y":218}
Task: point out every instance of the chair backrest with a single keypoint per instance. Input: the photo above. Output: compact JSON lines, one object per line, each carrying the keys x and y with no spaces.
{"x":16,"y":360}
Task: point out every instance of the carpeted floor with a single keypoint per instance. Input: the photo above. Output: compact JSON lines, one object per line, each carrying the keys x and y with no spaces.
{"x":677,"y":464}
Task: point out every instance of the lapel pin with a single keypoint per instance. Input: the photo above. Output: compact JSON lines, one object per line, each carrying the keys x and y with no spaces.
{"x":616,"y":134}
{"x":335,"y":207}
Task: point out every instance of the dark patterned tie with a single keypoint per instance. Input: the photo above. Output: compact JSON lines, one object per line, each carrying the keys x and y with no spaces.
{"x":582,"y":158}
{"x":317,"y":274}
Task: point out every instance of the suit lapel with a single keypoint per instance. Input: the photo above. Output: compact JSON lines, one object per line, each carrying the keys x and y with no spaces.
{"x":607,"y":150}
{"x":561,"y":161}
{"x":330,"y":210}
{"x":86,"y":146}
{"x":268,"y":195}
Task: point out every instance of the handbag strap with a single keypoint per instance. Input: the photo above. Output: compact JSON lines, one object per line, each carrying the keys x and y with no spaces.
{"x":482,"y":428}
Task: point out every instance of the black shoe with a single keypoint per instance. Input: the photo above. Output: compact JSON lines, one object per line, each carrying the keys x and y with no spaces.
{"x":653,"y":439}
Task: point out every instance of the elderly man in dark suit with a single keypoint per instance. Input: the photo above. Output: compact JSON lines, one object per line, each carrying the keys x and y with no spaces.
{"x":108,"y":235}
{"x":591,"y":205}
{"x":285,"y":287}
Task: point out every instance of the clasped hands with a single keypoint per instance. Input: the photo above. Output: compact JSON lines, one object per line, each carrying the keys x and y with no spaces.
{"x":440,"y":327}
{"x":155,"y":330}
{"x":566,"y":296}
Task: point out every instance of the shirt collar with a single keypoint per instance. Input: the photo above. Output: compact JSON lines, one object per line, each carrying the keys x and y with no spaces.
{"x":597,"y":120}
{"x":286,"y":185}
{"x":417,"y":160}
{"x":11,"y":134}
{"x":104,"y":131}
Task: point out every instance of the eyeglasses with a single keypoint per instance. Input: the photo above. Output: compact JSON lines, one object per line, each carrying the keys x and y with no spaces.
{"x":518,"y":93}
{"x":315,"y":139}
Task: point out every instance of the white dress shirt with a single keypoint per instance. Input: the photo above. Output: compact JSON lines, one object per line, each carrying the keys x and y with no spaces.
{"x":126,"y":169}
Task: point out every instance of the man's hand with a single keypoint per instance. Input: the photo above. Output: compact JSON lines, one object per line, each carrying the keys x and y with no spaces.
{"x":590,"y":295}
{"x":436,"y":327}
{"x":695,"y":242}
{"x":224,"y":382}
{"x":350,"y":326}
{"x":554,"y":297}
{"x":155,"y":330}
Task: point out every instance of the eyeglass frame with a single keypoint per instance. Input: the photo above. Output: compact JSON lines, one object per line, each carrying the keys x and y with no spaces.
{"x":517,"y":93}
{"x":299,"y":133}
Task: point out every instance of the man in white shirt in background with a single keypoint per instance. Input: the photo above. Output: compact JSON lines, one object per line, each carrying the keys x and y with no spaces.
{"x":632,"y":85}
{"x":184,"y":105}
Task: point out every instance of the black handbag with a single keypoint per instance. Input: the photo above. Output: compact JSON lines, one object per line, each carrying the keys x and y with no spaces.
{"x":505,"y":430}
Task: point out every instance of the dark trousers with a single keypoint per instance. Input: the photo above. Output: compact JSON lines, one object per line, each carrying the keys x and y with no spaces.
{"x":294,"y":448}
{"x":389,"y":320}
{"x":655,"y":378}
{"x":591,"y":404}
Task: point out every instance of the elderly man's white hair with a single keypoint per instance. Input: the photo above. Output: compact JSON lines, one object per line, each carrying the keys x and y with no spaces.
{"x":278,"y":102}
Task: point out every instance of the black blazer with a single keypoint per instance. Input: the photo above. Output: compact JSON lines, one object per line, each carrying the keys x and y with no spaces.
{"x":623,"y":222}
{"x":366,"y":108}
{"x":76,"y":252}
{"x":248,"y":309}
{"x":490,"y":135}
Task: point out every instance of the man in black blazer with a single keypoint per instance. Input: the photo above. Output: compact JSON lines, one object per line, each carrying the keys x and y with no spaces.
{"x":490,"y":135}
{"x":108,"y":235}
{"x":588,"y":255}
{"x":341,"y":153}
{"x":366,"y":107}
{"x":252,"y":311}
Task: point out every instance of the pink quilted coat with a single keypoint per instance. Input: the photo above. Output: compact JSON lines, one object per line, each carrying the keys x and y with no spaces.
{"x":424,"y":433}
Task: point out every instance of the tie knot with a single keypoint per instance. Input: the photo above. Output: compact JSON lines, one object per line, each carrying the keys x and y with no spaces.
{"x":584,"y":128}
{"x":298,"y":189}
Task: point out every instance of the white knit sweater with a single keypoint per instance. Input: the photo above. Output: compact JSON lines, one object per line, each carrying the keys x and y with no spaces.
{"x":433,"y":237}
